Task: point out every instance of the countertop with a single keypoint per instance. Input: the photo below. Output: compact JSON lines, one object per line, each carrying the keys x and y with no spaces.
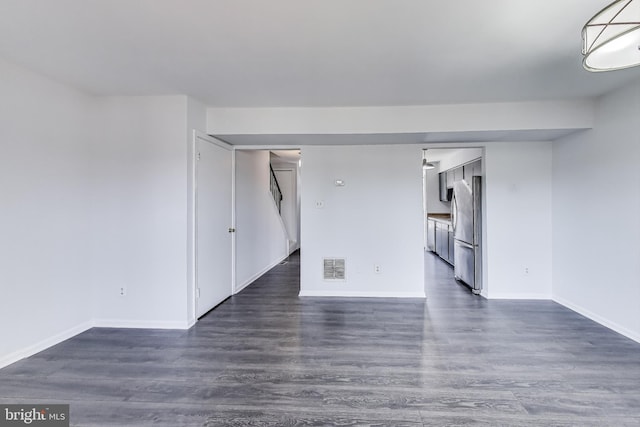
{"x":445,"y":218}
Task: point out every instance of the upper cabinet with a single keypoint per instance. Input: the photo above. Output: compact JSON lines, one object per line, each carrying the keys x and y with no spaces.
{"x":445,"y":192}
{"x":471,"y":169}
{"x":454,"y":175}
{"x":463,"y":172}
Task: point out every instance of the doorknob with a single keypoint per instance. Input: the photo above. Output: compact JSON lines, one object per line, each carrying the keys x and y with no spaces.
{"x":232,"y":230}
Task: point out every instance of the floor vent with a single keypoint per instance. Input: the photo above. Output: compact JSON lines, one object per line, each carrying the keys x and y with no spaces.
{"x":334,"y":268}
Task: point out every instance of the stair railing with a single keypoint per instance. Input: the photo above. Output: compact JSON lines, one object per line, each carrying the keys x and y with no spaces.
{"x":275,"y":190}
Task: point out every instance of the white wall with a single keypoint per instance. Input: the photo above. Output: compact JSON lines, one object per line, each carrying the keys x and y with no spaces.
{"x":261,"y":239}
{"x":576,"y":114}
{"x":517,"y":187}
{"x":139,"y":212}
{"x":376,"y":218}
{"x":596,"y":211}
{"x":45,"y":160}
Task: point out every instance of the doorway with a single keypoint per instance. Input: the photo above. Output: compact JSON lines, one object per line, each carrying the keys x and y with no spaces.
{"x":452,"y":206}
{"x":267,"y":212}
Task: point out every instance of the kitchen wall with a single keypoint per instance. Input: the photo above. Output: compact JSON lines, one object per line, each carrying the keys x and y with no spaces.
{"x":596,"y":206}
{"x":374,"y":219}
{"x":261,"y":239}
{"x":45,"y":187}
{"x":434,"y":205}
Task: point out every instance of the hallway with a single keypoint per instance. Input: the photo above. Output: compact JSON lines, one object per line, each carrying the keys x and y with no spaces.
{"x":268,"y":357}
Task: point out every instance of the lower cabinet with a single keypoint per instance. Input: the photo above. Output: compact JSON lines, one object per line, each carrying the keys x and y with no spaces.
{"x":431,"y":235}
{"x":444,"y":241}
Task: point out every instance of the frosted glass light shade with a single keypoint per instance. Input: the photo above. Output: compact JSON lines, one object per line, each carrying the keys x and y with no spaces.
{"x":611,"y":39}
{"x":427,"y":165}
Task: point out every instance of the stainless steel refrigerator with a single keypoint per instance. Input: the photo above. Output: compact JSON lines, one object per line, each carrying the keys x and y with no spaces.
{"x":466,"y":217}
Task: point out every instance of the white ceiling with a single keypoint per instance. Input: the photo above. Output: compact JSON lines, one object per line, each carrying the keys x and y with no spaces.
{"x":278,"y":53}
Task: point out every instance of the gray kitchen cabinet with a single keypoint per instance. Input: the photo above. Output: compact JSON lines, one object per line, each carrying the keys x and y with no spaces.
{"x":431,"y":235}
{"x":457,"y":174}
{"x":450,"y":178}
{"x":468,"y":171}
{"x":477,"y":167}
{"x":442,"y":242}
{"x":454,"y":175}
{"x":472,"y":169}
{"x":445,"y":192}
{"x":451,"y":245}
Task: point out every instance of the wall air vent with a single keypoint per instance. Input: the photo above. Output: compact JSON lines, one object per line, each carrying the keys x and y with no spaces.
{"x":334,"y":268}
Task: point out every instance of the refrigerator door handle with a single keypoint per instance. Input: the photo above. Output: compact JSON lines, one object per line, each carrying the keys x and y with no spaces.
{"x":454,"y":215}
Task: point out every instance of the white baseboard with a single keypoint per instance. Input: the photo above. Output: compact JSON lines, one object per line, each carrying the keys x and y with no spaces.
{"x":259,"y":274}
{"x":599,"y":319}
{"x":44,"y":344}
{"x":140,"y":324}
{"x":358,"y":294}
{"x":507,"y":295}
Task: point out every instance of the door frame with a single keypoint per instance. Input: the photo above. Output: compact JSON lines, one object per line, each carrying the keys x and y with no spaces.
{"x":192,"y":222}
{"x":483,"y":247}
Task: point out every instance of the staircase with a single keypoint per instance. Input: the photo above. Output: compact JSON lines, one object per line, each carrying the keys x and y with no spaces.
{"x":275,"y":190}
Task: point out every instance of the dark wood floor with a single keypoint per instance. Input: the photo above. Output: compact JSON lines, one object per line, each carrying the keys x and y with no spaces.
{"x":267,"y":357}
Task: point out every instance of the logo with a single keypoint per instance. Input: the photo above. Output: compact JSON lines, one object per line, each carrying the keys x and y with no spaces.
{"x":34,"y":415}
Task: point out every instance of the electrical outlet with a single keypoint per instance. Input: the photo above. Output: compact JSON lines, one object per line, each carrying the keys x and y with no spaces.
{"x":319,"y":204}
{"x":377,"y":269}
{"x":526,"y":271}
{"x":123,"y":291}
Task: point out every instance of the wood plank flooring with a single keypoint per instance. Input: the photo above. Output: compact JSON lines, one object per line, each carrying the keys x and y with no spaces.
{"x":268,"y":358}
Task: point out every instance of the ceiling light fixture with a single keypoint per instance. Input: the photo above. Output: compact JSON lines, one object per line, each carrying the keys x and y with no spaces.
{"x":611,"y":39}
{"x":426,"y":165}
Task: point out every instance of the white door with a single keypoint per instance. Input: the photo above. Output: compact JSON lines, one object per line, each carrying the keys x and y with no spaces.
{"x":213,"y":240}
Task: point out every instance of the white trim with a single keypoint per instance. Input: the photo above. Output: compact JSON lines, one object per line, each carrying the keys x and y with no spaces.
{"x":259,"y":274}
{"x":364,"y":294}
{"x":598,"y":319}
{"x":141,"y":324}
{"x":44,"y":344}
{"x":191,"y":233}
{"x":233,"y":223}
{"x":515,"y":296}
